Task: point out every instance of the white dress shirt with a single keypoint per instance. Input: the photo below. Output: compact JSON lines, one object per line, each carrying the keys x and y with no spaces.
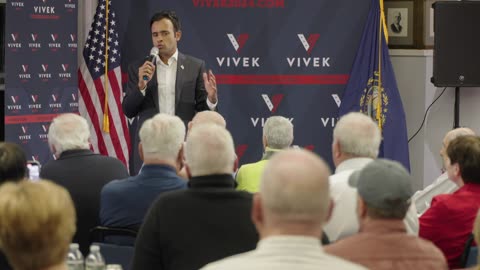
{"x":284,"y":253}
{"x":166,"y":79}
{"x":344,"y":221}
{"x":423,"y":198}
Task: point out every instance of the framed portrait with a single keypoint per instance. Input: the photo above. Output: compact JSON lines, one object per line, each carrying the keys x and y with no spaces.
{"x":404,"y":20}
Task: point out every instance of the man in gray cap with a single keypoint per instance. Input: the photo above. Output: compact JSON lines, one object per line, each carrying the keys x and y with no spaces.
{"x":384,"y":191}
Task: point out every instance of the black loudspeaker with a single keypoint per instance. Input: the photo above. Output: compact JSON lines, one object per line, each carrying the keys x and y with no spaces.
{"x":456,"y":54}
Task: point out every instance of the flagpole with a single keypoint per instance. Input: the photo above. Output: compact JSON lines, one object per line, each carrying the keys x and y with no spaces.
{"x":106,"y":121}
{"x":379,"y":89}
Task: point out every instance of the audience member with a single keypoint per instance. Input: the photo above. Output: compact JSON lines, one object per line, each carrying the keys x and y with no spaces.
{"x":384,"y":191}
{"x":82,"y":172}
{"x":277,"y":135}
{"x":442,"y":185}
{"x":37,"y":224}
{"x":187,"y":229}
{"x":203,"y":117}
{"x":356,"y":142}
{"x":288,"y":212}
{"x":13,"y":163}
{"x":449,"y":220}
{"x":125,"y":202}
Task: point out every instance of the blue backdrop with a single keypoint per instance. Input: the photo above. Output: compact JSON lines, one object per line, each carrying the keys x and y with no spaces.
{"x":270,"y":57}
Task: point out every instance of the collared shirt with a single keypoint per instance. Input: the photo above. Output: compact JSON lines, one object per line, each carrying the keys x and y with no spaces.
{"x":343,"y":221}
{"x":385,"y":244}
{"x":284,"y":252}
{"x":449,"y":221}
{"x":248,"y":176}
{"x":166,"y":79}
{"x":423,"y":198}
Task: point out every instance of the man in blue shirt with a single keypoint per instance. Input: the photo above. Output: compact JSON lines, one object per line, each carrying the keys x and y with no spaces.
{"x":125,"y":202}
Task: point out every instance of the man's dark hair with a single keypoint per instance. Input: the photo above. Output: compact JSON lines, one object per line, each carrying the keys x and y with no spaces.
{"x":465,"y":151}
{"x":167,"y":14}
{"x":13,"y":163}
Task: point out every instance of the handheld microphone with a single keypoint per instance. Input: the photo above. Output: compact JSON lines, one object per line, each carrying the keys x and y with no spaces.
{"x":151,"y":58}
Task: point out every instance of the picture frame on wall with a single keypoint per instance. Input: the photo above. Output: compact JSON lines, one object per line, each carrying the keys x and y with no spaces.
{"x":428,"y":33}
{"x":404,"y":21}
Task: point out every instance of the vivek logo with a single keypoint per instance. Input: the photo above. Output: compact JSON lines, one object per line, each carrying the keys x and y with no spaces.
{"x":25,"y":68}
{"x":272,"y":103}
{"x":54,"y":37}
{"x":14,"y":99}
{"x":72,"y":37}
{"x":44,"y":67}
{"x":34,"y":37}
{"x":14,"y":36}
{"x":309,"y":43}
{"x":74,"y":97}
{"x":54,"y":97}
{"x":337,"y":99}
{"x":238,"y":42}
{"x":24,"y":129}
{"x":240,"y":150}
{"x":34,"y":98}
{"x":45,"y":128}
{"x":65,"y":67}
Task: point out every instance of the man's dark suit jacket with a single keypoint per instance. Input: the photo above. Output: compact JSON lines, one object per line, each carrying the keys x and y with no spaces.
{"x":125,"y":202}
{"x":190,"y":96}
{"x":187,"y":229}
{"x":84,"y":173}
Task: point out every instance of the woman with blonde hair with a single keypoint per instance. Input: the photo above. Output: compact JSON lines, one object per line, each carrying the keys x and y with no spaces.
{"x":37,"y":224}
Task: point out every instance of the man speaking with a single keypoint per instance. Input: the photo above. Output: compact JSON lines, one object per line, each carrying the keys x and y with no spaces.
{"x":172,"y":83}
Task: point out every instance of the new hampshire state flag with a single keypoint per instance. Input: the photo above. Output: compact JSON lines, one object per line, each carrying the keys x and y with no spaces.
{"x":372,"y":88}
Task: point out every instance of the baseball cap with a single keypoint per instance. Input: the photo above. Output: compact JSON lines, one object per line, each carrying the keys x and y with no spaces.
{"x":382,"y":184}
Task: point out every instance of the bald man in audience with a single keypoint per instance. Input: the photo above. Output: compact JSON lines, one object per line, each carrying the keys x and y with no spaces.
{"x":187,"y":229}
{"x":125,"y":202}
{"x":384,"y":190}
{"x":442,"y":185}
{"x":356,"y":142}
{"x":289,"y":211}
{"x":82,"y":172}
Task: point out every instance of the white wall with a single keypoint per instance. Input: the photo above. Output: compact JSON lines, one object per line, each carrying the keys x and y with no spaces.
{"x":413,"y":70}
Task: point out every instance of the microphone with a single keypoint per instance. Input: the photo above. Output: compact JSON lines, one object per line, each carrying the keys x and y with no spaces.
{"x":151,"y":58}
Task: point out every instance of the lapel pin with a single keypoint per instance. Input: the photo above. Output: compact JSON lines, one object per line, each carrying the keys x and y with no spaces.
{"x":182,"y":67}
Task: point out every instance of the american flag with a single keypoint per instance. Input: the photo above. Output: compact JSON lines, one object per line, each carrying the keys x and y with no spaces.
{"x":108,"y":125}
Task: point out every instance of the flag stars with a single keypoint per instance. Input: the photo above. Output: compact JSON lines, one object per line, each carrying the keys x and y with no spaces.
{"x":102,"y":7}
{"x":97,"y":69}
{"x":116,"y":43}
{"x":90,"y":57}
{"x":114,"y":51}
{"x":97,"y":32}
{"x":100,"y":15}
{"x":99,"y":60}
{"x":95,"y":40}
{"x":102,"y":44}
{"x":98,"y":24}
{"x":113,"y":59}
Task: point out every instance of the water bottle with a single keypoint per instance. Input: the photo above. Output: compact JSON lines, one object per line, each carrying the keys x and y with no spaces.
{"x":74,"y":258}
{"x":94,"y":260}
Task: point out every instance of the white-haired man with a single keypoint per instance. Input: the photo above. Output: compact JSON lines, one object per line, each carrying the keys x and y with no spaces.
{"x":289,"y":212}
{"x":442,"y":185}
{"x":82,"y":172}
{"x":125,"y":202}
{"x":277,"y":135}
{"x":187,"y":229}
{"x":203,"y":117}
{"x":356,"y":142}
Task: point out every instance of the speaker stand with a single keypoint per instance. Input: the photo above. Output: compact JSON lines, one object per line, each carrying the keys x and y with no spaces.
{"x":456,"y":121}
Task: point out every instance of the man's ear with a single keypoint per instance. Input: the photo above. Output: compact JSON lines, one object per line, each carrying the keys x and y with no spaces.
{"x":178,"y":35}
{"x":180,"y":158}
{"x":331,"y":206}
{"x":257,"y":212}
{"x":140,"y":150}
{"x":187,"y":169}
{"x":361,"y":208}
{"x":336,"y":149}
